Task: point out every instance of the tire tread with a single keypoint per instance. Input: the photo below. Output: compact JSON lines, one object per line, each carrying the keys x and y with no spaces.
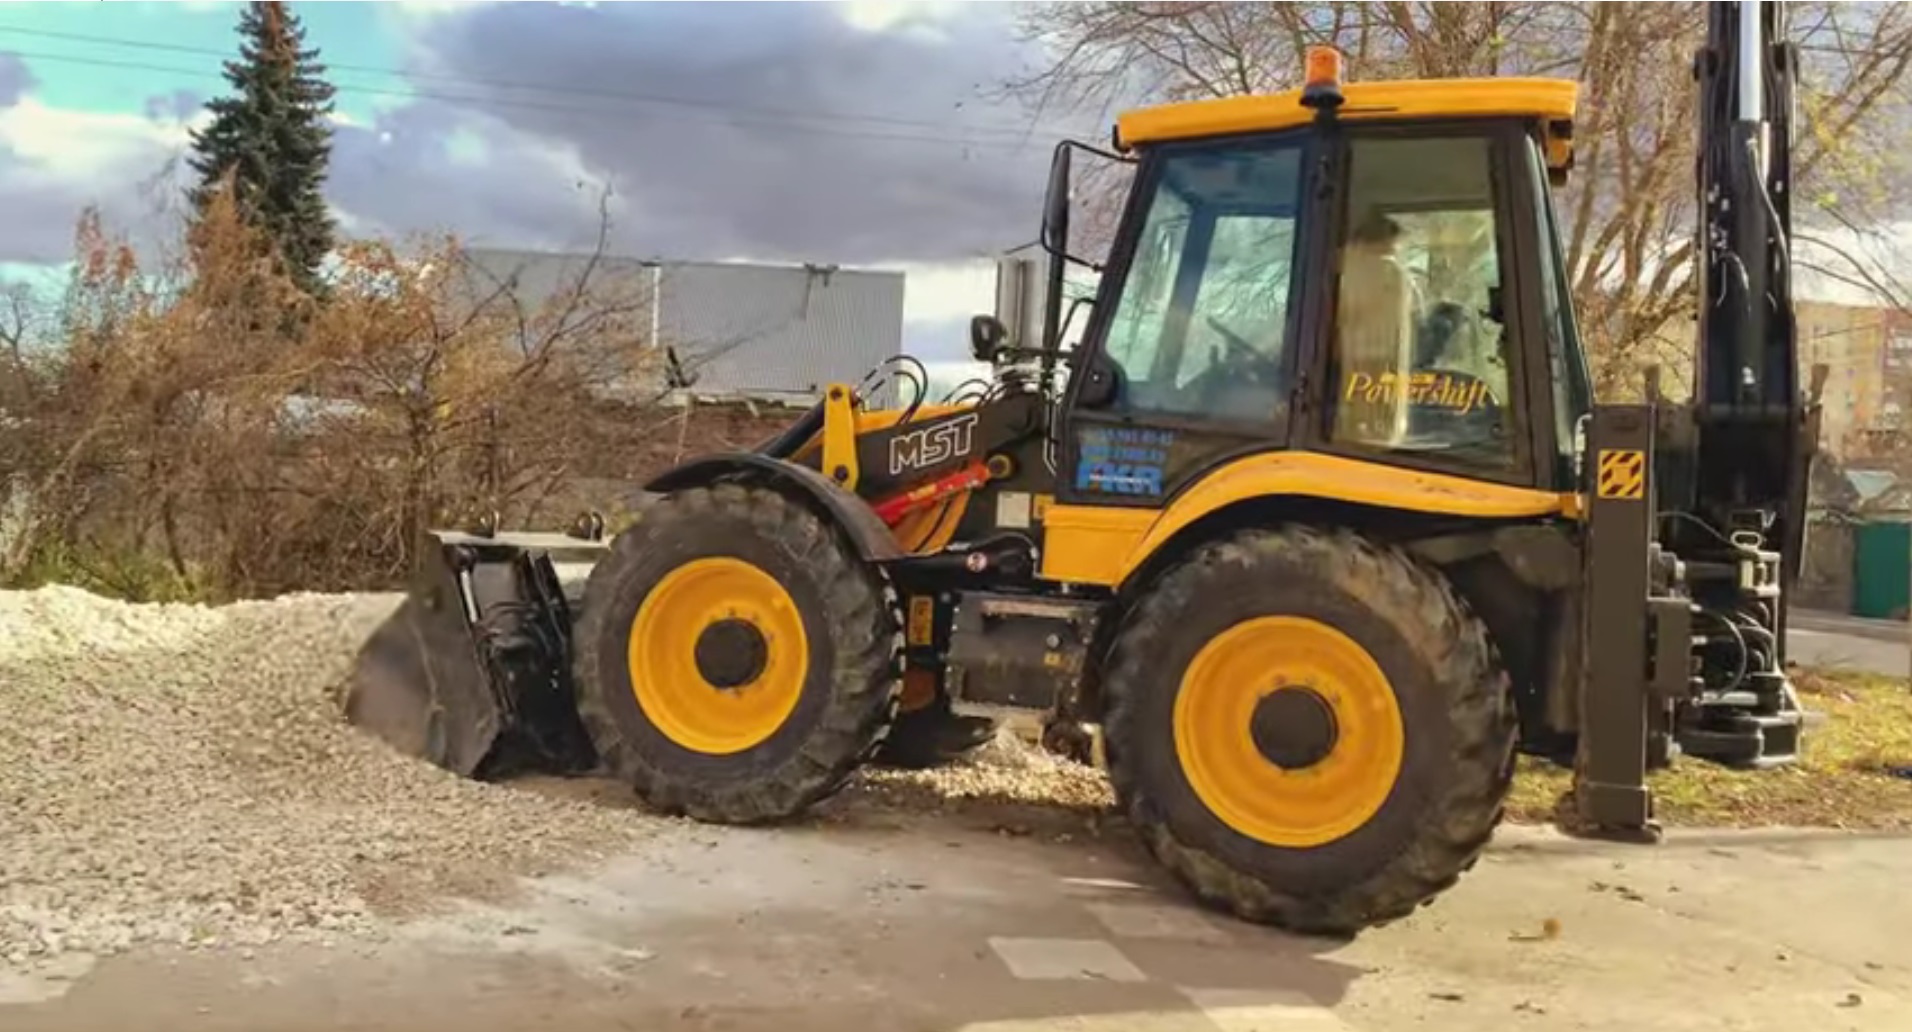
{"x":1457,"y":823}
{"x":862,"y":684}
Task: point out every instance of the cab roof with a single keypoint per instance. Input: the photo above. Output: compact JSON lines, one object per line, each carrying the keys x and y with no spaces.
{"x":1549,"y":101}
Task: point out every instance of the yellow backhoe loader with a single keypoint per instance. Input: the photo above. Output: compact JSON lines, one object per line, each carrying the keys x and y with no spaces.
{"x":1319,"y":523}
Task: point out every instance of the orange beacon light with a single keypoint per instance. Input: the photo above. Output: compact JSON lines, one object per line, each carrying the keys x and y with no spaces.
{"x":1321,"y":84}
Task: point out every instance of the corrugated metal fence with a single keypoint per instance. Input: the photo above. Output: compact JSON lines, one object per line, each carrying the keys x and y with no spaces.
{"x":772,"y":332}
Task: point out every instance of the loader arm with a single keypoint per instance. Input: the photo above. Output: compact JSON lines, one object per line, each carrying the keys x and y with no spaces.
{"x":896,"y":449}
{"x":473,"y":672}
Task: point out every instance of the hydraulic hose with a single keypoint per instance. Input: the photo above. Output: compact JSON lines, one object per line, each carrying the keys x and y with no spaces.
{"x":786,"y":443}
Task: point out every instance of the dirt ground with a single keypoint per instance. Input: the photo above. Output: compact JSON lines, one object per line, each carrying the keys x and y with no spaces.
{"x":985,"y":920}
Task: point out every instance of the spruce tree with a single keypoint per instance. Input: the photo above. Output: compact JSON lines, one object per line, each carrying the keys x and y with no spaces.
{"x":272,"y":138}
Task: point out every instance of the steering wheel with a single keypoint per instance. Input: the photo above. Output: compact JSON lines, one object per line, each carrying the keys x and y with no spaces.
{"x":1243,"y":354}
{"x":1243,"y":380}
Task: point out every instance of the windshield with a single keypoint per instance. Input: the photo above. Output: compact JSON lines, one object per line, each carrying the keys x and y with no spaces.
{"x":1200,"y":328}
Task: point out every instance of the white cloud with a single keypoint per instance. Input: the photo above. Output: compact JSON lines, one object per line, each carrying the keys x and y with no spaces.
{"x":67,"y":144}
{"x":920,"y":17}
{"x":426,"y":9}
{"x":430,"y":7}
{"x":55,"y":161}
{"x":941,"y":292}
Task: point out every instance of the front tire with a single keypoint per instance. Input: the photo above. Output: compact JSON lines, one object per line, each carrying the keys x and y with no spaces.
{"x":1308,"y":730}
{"x":736,"y":659}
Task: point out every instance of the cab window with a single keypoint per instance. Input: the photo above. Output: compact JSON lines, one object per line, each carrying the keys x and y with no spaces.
{"x":1567,"y":364}
{"x":1420,"y":339}
{"x":1200,"y":327}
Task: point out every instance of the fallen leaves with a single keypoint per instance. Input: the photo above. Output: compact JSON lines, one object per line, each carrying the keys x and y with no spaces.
{"x":1847,"y":778}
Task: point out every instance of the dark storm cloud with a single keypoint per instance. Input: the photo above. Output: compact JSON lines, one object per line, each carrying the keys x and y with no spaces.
{"x":723,"y":176}
{"x":713,"y":179}
{"x":401,"y":173}
{"x":140,"y":202}
{"x":39,"y":219}
{"x":15,"y":79}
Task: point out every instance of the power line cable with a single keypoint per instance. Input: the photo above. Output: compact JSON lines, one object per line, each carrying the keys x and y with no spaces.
{"x":579,"y":91}
{"x":571,"y":109}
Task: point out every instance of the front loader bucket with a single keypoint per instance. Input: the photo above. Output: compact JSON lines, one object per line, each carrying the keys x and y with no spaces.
{"x":473,"y":671}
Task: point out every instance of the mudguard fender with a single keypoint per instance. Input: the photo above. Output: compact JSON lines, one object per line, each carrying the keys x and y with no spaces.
{"x":872,"y":538}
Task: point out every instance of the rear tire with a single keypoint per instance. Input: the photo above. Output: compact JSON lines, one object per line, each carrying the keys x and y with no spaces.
{"x":823,"y":635}
{"x":1413,"y":785}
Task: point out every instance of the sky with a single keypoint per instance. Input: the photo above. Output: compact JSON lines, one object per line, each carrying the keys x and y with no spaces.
{"x":866,"y":134}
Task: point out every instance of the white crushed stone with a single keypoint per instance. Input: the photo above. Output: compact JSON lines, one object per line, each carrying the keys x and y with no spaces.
{"x":1005,"y":770}
{"x":182,"y":774}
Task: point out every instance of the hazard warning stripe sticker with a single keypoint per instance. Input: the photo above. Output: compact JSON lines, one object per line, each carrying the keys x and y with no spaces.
{"x":1622,"y":473}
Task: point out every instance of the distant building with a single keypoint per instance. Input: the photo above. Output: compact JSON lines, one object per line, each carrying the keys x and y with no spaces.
{"x":1881,"y":492}
{"x":1851,"y":341}
{"x":741,"y":331}
{"x":1886,"y":437}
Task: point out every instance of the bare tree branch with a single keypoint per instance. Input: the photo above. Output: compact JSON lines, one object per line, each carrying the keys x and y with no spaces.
{"x":1628,"y":213}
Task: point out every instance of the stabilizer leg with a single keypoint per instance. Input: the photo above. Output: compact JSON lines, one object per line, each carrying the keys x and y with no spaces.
{"x":1610,"y":793}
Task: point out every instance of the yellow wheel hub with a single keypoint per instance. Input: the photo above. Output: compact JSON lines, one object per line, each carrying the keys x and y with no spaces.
{"x":1297,"y":691}
{"x":718,"y":656}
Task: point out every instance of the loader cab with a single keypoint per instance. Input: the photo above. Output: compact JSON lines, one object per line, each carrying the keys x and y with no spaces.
{"x":1379,"y":279}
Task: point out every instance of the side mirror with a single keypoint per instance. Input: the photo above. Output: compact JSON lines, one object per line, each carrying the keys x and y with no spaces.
{"x":987,"y":337}
{"x":1055,"y":240}
{"x":1055,"y":207}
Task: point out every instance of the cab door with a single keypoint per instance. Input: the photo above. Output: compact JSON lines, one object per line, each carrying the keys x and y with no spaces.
{"x":1191,"y":357}
{"x":1435,"y":352}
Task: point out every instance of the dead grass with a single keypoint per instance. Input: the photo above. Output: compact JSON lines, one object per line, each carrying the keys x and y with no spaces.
{"x":1844,"y":780}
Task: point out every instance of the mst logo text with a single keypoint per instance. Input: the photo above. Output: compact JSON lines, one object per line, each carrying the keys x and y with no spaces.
{"x":919,"y":449}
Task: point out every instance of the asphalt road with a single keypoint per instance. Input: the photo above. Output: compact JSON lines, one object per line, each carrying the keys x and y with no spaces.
{"x":1828,"y":640}
{"x":908,"y":923}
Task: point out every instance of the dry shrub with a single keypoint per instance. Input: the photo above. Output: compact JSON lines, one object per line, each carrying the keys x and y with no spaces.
{"x":206,"y":429}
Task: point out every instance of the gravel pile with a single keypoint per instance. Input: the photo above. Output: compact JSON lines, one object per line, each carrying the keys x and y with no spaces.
{"x":182,"y":774}
{"x":1008,"y":770}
